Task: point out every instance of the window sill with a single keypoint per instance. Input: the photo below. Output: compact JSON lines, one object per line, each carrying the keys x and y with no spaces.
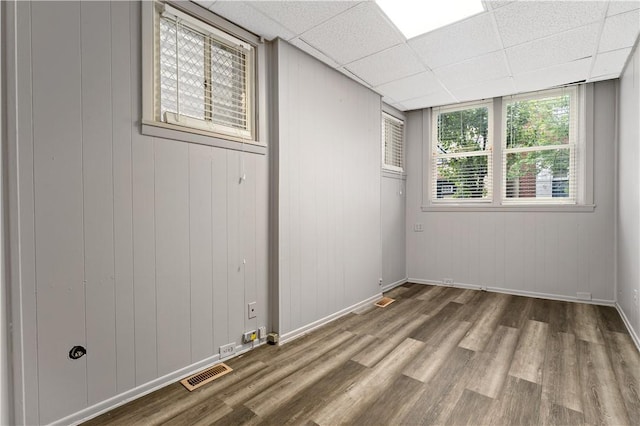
{"x":183,"y":134}
{"x":583,"y":208}
{"x":394,"y":174}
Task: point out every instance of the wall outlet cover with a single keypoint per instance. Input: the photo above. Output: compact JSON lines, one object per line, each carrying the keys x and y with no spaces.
{"x":228,"y":350}
{"x":252,"y":310}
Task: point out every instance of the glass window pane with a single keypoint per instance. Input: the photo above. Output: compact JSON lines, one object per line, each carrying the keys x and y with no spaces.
{"x":229,"y":85}
{"x":538,"y":122}
{"x":463,"y":131}
{"x":538,"y":174}
{"x":462,"y":177}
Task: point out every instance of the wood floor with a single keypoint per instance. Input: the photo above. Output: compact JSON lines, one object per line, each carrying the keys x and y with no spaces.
{"x":438,"y":355}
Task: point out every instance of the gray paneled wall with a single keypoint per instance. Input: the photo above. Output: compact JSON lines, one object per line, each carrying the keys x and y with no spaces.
{"x":628,"y":265}
{"x":139,"y":241}
{"x":329,"y":190}
{"x":528,"y":252}
{"x":394,"y":236}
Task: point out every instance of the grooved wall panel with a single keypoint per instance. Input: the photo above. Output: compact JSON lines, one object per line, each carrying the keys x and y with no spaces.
{"x":329,"y":190}
{"x":58,"y":192}
{"x":393,"y":229}
{"x":97,"y":168}
{"x":553,"y":253}
{"x":628,"y":232}
{"x":139,"y":241}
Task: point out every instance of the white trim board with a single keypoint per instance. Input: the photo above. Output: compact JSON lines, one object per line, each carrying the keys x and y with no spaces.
{"x":145,"y":389}
{"x":299,"y":332}
{"x":517,"y":292}
{"x":627,"y":323}
{"x":391,"y":286}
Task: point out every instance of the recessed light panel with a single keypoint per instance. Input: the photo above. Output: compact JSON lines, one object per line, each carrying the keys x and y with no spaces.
{"x":414,"y":17}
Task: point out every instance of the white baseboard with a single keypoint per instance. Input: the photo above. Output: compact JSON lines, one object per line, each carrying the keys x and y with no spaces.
{"x":291,"y":335}
{"x":147,"y":388}
{"x":627,"y":323}
{"x":391,"y":286}
{"x":517,"y":292}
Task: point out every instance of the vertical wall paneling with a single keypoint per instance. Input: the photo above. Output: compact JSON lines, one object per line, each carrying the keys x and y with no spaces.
{"x":219,"y":250}
{"x":22,"y":211}
{"x":172,"y":255}
{"x":129,"y":245}
{"x":628,"y":199}
{"x":393,"y":229}
{"x":98,"y":199}
{"x":122,"y":131}
{"x":57,"y":136}
{"x":329,"y":190}
{"x":144,"y":260}
{"x":236,"y":270}
{"x":551,"y":253}
{"x":200,"y":249}
{"x":248,"y":235}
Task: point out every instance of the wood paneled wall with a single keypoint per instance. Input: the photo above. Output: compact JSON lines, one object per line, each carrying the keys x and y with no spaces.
{"x":628,"y":174}
{"x":544,"y":253}
{"x":140,"y":242}
{"x":328,"y":190}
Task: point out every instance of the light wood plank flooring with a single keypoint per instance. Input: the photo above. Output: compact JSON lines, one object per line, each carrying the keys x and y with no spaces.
{"x":438,"y":355}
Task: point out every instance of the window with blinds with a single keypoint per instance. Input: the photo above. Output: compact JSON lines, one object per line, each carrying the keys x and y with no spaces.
{"x":461,"y":165}
{"x":539,"y":148}
{"x":204,"y":76}
{"x":392,"y":143}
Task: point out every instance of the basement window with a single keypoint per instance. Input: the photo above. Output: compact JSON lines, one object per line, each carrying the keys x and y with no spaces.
{"x":392,"y":143}
{"x":203,"y":76}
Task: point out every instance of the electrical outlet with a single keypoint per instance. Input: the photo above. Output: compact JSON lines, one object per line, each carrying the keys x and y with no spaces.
{"x":635,"y":297}
{"x":380,"y":281}
{"x":227,"y":350}
{"x":253,"y":310}
{"x":262,"y":332}
{"x":249,"y":336}
{"x":418,"y":227}
{"x":448,"y":281}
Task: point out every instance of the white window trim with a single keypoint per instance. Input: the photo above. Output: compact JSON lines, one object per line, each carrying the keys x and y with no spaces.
{"x":430,"y":148}
{"x":584,"y":173}
{"x":202,"y":134}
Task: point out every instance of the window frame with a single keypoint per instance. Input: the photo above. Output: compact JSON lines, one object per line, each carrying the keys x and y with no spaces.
{"x":151,"y":126}
{"x":432,"y":187}
{"x":386,"y":116}
{"x":584,"y":158}
{"x":574,"y":146}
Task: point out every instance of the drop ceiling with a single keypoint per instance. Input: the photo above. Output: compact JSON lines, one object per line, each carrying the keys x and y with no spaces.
{"x":512,"y":47}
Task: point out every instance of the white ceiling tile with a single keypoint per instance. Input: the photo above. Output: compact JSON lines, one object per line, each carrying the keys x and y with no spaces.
{"x":302,"y":45}
{"x":432,"y":99}
{"x":477,"y":70}
{"x":454,"y":43}
{"x":242,"y":14}
{"x":488,"y":89}
{"x":557,"y":49}
{"x":300,"y":16}
{"x":616,"y":7}
{"x":523,"y":21}
{"x":495,"y":4}
{"x":620,"y":31}
{"x":389,"y":65}
{"x":604,"y":77}
{"x":410,"y":87}
{"x":354,"y":34}
{"x":205,"y":4}
{"x":554,"y":76}
{"x":353,"y":77}
{"x":610,"y":62}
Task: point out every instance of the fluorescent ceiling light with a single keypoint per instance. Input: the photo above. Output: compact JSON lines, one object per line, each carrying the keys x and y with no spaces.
{"x":415,"y":17}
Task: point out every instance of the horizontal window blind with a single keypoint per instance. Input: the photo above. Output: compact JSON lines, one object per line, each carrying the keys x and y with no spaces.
{"x":539,"y":148}
{"x":392,"y":142}
{"x":461,"y":155}
{"x":204,"y":80}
